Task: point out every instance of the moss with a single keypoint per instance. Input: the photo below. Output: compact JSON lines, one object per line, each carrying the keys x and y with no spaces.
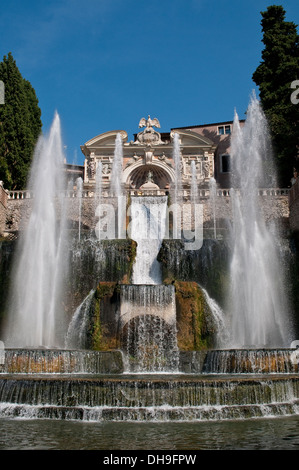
{"x":195,"y":329}
{"x":100,"y":340}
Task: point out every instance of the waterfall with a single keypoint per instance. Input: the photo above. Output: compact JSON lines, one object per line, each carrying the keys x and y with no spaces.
{"x":221,"y":334}
{"x":149,"y":336}
{"x":139,"y":399}
{"x":35,"y":312}
{"x":78,"y":327}
{"x":252,"y":361}
{"x":259,"y":311}
{"x":148,"y":227}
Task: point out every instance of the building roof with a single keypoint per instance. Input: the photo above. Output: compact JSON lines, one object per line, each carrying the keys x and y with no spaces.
{"x":208,"y":125}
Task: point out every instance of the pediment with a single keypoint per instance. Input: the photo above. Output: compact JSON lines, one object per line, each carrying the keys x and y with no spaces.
{"x":193,"y":139}
{"x":107,"y":139}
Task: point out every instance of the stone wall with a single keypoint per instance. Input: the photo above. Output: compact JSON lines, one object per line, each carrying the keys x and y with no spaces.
{"x":216,"y":215}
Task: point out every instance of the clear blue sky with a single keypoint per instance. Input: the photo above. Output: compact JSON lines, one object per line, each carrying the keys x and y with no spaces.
{"x":105,"y":64}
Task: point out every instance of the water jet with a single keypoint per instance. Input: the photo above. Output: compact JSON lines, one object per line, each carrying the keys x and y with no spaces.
{"x":147,"y":341}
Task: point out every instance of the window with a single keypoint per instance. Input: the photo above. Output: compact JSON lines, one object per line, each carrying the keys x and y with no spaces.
{"x":225,"y":163}
{"x":222,"y":130}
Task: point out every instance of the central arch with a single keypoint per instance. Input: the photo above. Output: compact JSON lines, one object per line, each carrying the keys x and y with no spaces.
{"x":136,"y":175}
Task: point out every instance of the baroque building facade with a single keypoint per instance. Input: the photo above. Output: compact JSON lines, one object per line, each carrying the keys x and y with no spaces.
{"x":149,"y":167}
{"x":152,"y":153}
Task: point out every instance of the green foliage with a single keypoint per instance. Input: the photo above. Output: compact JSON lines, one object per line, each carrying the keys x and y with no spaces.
{"x":20,"y":125}
{"x":278,"y":69}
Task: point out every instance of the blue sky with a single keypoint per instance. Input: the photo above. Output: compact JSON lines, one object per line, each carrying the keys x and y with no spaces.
{"x":105,"y":64}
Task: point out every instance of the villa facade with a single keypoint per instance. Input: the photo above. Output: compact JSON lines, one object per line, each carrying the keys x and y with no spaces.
{"x":207,"y":146}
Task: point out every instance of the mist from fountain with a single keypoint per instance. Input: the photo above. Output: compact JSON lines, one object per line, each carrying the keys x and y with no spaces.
{"x":79,"y":194}
{"x":99,"y":174}
{"x":258,"y":304}
{"x":177,"y":168}
{"x":35,"y":316}
{"x":213,"y":188}
{"x":194,"y":188}
{"x":116,"y":188}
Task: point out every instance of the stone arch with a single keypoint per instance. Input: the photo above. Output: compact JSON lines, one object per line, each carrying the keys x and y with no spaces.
{"x":135,"y":175}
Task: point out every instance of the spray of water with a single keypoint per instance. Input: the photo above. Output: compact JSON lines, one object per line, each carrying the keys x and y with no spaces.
{"x":194,"y":188}
{"x":115,"y":187}
{"x":35,"y":318}
{"x":213,"y":188}
{"x":259,"y":311}
{"x":79,"y":194}
{"x":177,"y":168}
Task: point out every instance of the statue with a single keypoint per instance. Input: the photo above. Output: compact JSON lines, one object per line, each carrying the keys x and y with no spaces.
{"x":149,"y":123}
{"x":149,"y":136}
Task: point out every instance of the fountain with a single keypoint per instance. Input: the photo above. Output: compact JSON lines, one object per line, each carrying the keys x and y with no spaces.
{"x":148,"y":230}
{"x":194,"y":188}
{"x":35,"y":317}
{"x":79,"y":185}
{"x":143,"y":345}
{"x":213,"y":188}
{"x":258,"y":306}
{"x":116,"y":189}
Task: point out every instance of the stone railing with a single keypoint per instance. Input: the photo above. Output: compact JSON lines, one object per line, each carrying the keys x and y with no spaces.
{"x":202,"y":193}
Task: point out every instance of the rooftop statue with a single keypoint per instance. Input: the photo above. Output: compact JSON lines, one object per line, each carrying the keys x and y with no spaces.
{"x":149,"y":135}
{"x":149,"y":123}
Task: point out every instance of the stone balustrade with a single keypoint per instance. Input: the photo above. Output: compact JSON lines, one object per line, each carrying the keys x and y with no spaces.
{"x":202,"y":193}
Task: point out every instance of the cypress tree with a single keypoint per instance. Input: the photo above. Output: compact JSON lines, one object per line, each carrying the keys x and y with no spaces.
{"x":274,"y":76}
{"x":20,"y":125}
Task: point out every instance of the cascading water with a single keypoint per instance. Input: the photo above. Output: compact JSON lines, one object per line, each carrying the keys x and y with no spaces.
{"x":148,"y":227}
{"x":147,"y":306}
{"x":78,"y":327}
{"x":145,"y":317}
{"x":35,"y":316}
{"x":259,"y":311}
{"x":221,"y":333}
{"x":149,"y":335}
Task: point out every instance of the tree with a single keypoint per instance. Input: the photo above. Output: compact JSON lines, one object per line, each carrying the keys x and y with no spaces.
{"x":20,"y":125}
{"x":274,"y":77}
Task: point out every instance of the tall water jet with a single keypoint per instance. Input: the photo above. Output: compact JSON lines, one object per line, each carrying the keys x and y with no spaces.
{"x":212,"y":190}
{"x":177,"y":195}
{"x":259,"y":311}
{"x":79,"y":194}
{"x":177,"y":168}
{"x":99,"y":174}
{"x":116,"y":188}
{"x":194,"y":188}
{"x":35,"y":314}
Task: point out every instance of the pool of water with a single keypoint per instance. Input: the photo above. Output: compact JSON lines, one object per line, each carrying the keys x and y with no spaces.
{"x":255,"y":434}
